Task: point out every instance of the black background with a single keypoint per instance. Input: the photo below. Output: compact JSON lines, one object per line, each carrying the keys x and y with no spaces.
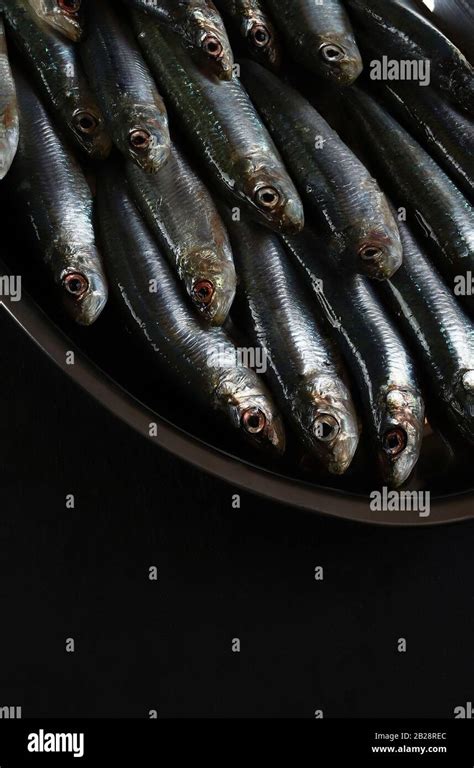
{"x":224,"y":573}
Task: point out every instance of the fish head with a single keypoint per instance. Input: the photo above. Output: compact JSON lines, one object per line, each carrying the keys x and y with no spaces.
{"x":204,"y":29}
{"x":379,"y":248}
{"x":210,"y":281}
{"x":9,"y":137}
{"x":271,"y":195}
{"x":63,"y":15}
{"x":250,"y":407}
{"x":339,"y":58}
{"x":89,"y":128}
{"x":84,"y":287}
{"x":400,"y":434}
{"x":325,"y":410}
{"x":142,"y":133}
{"x":262,"y":39}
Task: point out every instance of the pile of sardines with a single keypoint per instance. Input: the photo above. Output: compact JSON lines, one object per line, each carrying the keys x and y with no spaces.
{"x":215,"y":166}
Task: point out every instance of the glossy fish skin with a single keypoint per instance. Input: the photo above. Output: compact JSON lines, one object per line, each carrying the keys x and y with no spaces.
{"x":375,"y":354}
{"x":201,"y":360}
{"x":50,"y":189}
{"x":133,"y":109}
{"x":9,"y":127}
{"x":304,"y":369}
{"x":63,"y":15}
{"x":183,"y":217}
{"x":415,"y":182}
{"x":54,"y":64}
{"x":319,"y":37}
{"x":440,"y":333}
{"x":397,"y":30}
{"x":199,"y":27}
{"x":225,"y":132}
{"x":252,"y":23}
{"x":346,"y":201}
{"x":444,"y":132}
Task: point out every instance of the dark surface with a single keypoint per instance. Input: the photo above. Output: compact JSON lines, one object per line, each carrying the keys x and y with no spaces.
{"x":223,"y":573}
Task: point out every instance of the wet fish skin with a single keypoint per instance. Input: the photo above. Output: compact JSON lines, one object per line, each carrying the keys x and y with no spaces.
{"x":201,"y":360}
{"x":225,"y":132}
{"x":414,"y":181}
{"x":441,"y":334}
{"x":134,"y":111}
{"x":375,"y":354}
{"x":53,"y":194}
{"x":198,"y":26}
{"x":55,"y":66}
{"x":344,"y":199}
{"x":9,"y":126}
{"x":399,"y":31}
{"x":445,"y":133}
{"x":252,"y":23}
{"x":64,"y":17}
{"x":183,"y":217}
{"x":320,"y":37}
{"x":304,"y":369}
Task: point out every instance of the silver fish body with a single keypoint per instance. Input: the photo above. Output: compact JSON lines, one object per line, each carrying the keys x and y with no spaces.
{"x":55,"y":200}
{"x":303,"y":366}
{"x":183,"y":217}
{"x":9,"y":127}
{"x":226,"y":133}
{"x":201,"y":361}
{"x":55,"y":65}
{"x":375,"y":354}
{"x":134,"y":111}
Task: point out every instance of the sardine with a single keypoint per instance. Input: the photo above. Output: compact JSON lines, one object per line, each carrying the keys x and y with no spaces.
{"x":320,"y":37}
{"x":201,"y":361}
{"x":375,"y":354}
{"x":134,"y":111}
{"x":415,"y":182}
{"x":55,"y":65}
{"x":440,"y":333}
{"x":251,"y":22}
{"x":9,"y":128}
{"x":199,"y":27}
{"x":183,"y":217}
{"x":55,"y":200}
{"x":446,"y":133}
{"x":228,"y":137}
{"x":63,"y":15}
{"x":397,"y":31}
{"x":304,"y":369}
{"x":344,"y":199}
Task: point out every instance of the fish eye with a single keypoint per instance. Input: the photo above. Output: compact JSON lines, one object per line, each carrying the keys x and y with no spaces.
{"x":76,"y":284}
{"x":267,"y":197}
{"x":331,"y":53}
{"x":395,"y":441}
{"x":370,"y":253}
{"x":253,"y":421}
{"x":260,"y":36}
{"x":212,"y":46}
{"x":85,"y":122}
{"x":203,"y":291}
{"x":139,"y":139}
{"x":69,"y":6}
{"x":326,"y":427}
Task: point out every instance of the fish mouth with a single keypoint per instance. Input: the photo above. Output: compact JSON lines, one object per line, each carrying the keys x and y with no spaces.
{"x":84,"y":294}
{"x":211,"y":284}
{"x":89,"y":128}
{"x":341,"y":61}
{"x":378,"y":260}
